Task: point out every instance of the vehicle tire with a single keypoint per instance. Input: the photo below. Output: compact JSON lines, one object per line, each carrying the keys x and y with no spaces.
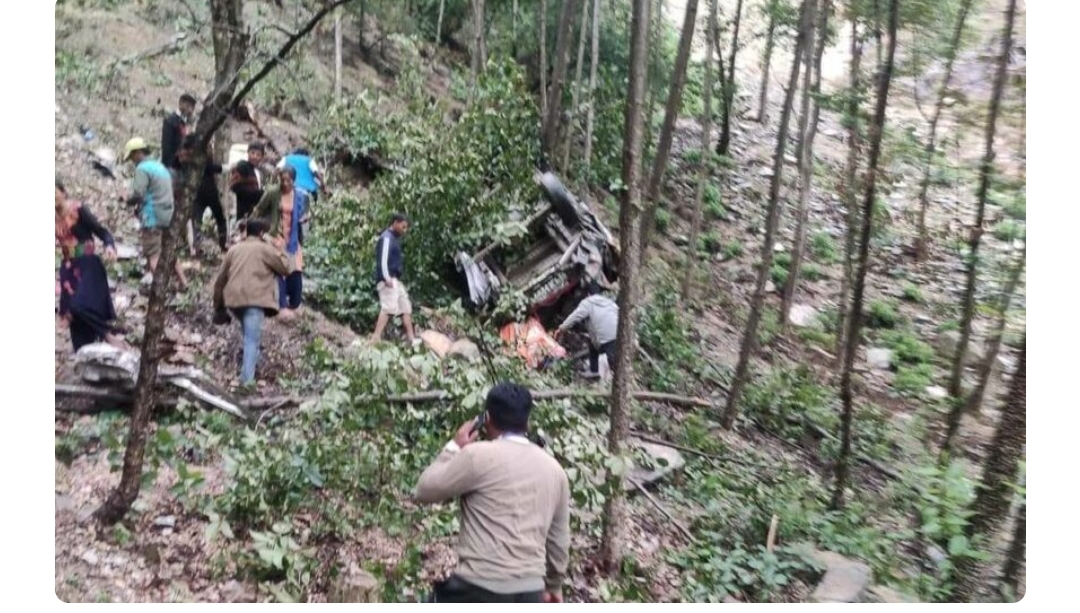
{"x":561,"y":200}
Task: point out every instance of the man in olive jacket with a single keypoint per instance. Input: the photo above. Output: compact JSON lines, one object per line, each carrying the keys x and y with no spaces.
{"x":248,"y":286}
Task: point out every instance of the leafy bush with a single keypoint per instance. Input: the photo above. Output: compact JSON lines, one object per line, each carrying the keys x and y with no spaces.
{"x":1008,"y":230}
{"x":460,"y":185}
{"x":913,"y":379}
{"x":754,"y":574}
{"x":912,"y":293}
{"x":710,"y":242}
{"x":663,"y":220}
{"x":663,"y":332}
{"x":733,"y":249}
{"x":881,"y":314}
{"x":812,"y":272}
{"x":823,"y":248}
{"x":909,"y":349}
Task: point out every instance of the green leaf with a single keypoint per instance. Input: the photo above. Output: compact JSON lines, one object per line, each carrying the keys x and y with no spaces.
{"x":958,"y":545}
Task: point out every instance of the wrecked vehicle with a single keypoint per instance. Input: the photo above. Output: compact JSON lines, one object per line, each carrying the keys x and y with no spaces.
{"x":566,"y":245}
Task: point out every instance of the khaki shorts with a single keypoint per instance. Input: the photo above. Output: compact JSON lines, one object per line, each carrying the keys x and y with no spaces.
{"x":151,"y":242}
{"x":394,"y":300}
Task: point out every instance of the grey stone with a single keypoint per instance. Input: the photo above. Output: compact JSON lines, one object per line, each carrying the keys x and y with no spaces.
{"x":936,"y":392}
{"x":765,"y":172}
{"x":845,"y":580}
{"x":802,"y":315}
{"x":659,"y":454}
{"x":779,"y":248}
{"x":770,"y":287}
{"x":165,"y":521}
{"x":89,"y":557}
{"x":680,"y":240}
{"x":64,"y":503}
{"x":464,"y":348}
{"x":126,"y":252}
{"x":880,"y":358}
{"x":949,"y":340}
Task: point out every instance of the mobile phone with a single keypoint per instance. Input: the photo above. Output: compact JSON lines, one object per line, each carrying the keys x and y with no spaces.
{"x":478,"y":423}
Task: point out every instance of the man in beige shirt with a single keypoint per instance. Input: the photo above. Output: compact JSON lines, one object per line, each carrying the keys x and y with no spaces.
{"x":515,"y":507}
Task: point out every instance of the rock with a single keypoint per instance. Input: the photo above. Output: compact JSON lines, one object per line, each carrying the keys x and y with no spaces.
{"x":790,"y":159}
{"x":121,"y":303}
{"x":778,"y":248}
{"x":802,"y":315}
{"x":234,"y":591}
{"x":195,"y":339}
{"x":437,"y":342}
{"x":765,"y":172}
{"x":936,"y":392}
{"x":89,"y":557}
{"x":879,"y":358}
{"x":667,"y":460}
{"x":464,"y":348}
{"x":770,"y":287}
{"x":882,"y":594}
{"x":355,"y":585}
{"x":845,"y":580}
{"x":64,"y":503}
{"x":680,"y":240}
{"x":949,"y":340}
{"x":936,"y":555}
{"x":165,"y":521}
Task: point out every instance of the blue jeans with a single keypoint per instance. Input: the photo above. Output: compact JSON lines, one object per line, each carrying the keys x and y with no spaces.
{"x":251,"y":321}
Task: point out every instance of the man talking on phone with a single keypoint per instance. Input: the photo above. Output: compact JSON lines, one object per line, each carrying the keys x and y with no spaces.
{"x":515,"y":506}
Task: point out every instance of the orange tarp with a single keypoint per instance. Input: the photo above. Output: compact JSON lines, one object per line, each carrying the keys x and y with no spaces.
{"x":530,"y":341}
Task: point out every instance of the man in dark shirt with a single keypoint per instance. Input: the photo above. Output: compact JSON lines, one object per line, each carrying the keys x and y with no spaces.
{"x":389,"y":266}
{"x":175,"y":128}
{"x":207,"y":195}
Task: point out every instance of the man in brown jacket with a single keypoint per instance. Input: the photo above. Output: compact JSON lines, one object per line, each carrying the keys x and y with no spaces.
{"x":515,"y":507}
{"x":248,"y":286}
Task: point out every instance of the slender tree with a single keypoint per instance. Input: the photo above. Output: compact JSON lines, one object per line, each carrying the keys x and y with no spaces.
{"x":772,"y":218}
{"x":851,"y":186}
{"x":541,"y":16}
{"x":705,"y":163}
{"x":230,"y":41}
{"x":854,"y":323}
{"x":438,"y":24}
{"x":724,"y":144}
{"x":558,"y":77}
{"x":576,"y":96}
{"x":1017,"y":554}
{"x":337,"y":56}
{"x":990,"y":509}
{"x":611,"y":542}
{"x":766,"y":61}
{"x":986,"y":172}
{"x":808,"y":122}
{"x":594,"y":59}
{"x":667,"y":131}
{"x":974,"y":400}
{"x":931,"y":142}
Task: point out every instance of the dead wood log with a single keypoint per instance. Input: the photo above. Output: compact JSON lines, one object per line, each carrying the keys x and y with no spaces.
{"x":656,"y":503}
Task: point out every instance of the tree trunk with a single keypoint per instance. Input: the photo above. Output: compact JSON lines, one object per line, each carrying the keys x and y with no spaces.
{"x":985,"y":174}
{"x":995,"y":494}
{"x":766,"y":64}
{"x":749,"y":341}
{"x":851,"y":190}
{"x":614,"y":529}
{"x":1017,"y":555}
{"x":576,"y":96}
{"x":479,"y":53}
{"x":667,"y":131}
{"x":654,"y":82}
{"x":438,"y":24}
{"x":974,"y":401}
{"x":706,"y":165}
{"x":808,"y":122}
{"x":729,"y":85}
{"x":594,"y":58}
{"x":854,"y":323}
{"x":337,"y":56}
{"x":558,"y":77}
{"x":230,"y":41}
{"x":541,"y":16}
{"x":931,"y":143}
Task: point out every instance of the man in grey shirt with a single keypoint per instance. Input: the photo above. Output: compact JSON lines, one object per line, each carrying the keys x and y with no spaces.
{"x":601,"y":317}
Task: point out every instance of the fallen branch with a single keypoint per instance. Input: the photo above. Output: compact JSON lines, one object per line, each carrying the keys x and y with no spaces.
{"x":125,"y":397}
{"x":770,"y":540}
{"x":656,"y":503}
{"x":175,"y":44}
{"x":697,"y":452}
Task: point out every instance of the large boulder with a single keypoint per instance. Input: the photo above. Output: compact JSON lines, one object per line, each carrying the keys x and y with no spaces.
{"x":949,"y":340}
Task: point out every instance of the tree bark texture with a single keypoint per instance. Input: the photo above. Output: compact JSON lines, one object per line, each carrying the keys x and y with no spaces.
{"x":854,"y":323}
{"x":594,"y":58}
{"x":614,"y":529}
{"x":558,"y":77}
{"x":724,"y":145}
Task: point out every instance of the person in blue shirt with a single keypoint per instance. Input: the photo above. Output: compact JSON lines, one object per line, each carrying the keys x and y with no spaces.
{"x":389,"y":267}
{"x":151,"y":195}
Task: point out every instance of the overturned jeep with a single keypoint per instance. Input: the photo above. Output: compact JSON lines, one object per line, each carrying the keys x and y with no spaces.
{"x":566,"y":245}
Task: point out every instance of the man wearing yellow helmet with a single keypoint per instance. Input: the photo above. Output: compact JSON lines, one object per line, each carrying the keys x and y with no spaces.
{"x":152,"y":195}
